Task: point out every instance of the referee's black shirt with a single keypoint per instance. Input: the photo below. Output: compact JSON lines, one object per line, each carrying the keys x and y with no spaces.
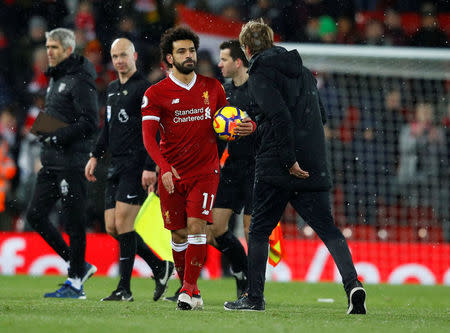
{"x":244,"y":148}
{"x":121,"y":134}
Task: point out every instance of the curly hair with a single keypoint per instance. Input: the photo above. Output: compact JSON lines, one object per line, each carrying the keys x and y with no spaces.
{"x":174,"y":34}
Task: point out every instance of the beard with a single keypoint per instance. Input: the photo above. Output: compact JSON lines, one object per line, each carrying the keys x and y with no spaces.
{"x":184,"y":68}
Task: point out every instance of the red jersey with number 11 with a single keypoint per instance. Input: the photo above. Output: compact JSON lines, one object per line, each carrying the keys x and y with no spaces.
{"x":185,"y":114}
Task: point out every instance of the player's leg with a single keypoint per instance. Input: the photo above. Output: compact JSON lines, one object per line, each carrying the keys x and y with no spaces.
{"x":189,"y":298}
{"x":315,"y":209}
{"x":227,"y":243}
{"x":45,"y":195}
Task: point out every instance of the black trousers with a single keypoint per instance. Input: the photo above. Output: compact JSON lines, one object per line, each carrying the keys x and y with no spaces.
{"x":70,"y":186}
{"x":314,"y":207}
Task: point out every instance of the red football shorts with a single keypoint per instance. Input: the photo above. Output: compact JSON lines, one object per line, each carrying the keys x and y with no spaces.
{"x":193,"y":197}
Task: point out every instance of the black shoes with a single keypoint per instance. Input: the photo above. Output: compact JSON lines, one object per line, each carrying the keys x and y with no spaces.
{"x":173,"y":298}
{"x":119,"y":295}
{"x":244,"y":304}
{"x":162,"y":279}
{"x":241,"y":283}
{"x":356,"y":299}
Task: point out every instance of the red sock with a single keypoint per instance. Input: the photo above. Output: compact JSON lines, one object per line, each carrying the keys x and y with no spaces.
{"x":179,"y":255}
{"x":195,"y":258}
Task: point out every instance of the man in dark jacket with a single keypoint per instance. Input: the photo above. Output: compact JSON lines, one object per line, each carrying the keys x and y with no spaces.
{"x":71,"y":98}
{"x":291,"y":162}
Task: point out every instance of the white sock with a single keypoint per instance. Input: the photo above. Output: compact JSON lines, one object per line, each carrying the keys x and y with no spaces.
{"x":76,"y":283}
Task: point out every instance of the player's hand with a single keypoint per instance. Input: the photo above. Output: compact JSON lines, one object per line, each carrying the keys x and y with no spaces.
{"x":246,"y":127}
{"x":168,"y":181}
{"x":298,"y":172}
{"x":90,"y":168}
{"x":148,"y":180}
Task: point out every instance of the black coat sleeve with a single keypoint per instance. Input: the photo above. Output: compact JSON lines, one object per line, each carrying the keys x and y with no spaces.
{"x":272,"y":105}
{"x":84,"y":96}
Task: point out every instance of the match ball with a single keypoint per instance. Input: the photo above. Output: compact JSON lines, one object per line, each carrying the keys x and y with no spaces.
{"x":226,"y":120}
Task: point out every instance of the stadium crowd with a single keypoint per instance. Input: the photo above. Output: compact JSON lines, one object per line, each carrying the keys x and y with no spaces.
{"x":392,"y":138}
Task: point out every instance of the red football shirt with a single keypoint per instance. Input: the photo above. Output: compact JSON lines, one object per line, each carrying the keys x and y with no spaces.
{"x":185,"y":114}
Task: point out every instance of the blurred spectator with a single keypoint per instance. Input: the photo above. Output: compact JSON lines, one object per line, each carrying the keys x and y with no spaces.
{"x":7,"y":172}
{"x":374,"y":33}
{"x":29,"y":154}
{"x":346,"y":31}
{"x":84,"y":19}
{"x":394,"y":33}
{"x":266,"y":10}
{"x":94,"y":52}
{"x":205,"y":64}
{"x":327,"y":29}
{"x":8,"y":126}
{"x":429,"y":33}
{"x":39,"y":80}
{"x":231,"y":12}
{"x":423,"y":170}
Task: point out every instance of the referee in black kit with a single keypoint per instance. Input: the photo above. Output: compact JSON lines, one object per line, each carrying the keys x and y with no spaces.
{"x":132,"y":172}
{"x":291,"y":162}
{"x":237,"y":175}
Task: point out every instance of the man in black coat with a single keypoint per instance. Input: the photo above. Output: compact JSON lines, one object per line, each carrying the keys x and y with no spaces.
{"x":71,"y":98}
{"x":291,"y":162}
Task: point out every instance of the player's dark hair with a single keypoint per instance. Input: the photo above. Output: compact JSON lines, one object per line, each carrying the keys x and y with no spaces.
{"x":174,"y":34}
{"x":235,"y":50}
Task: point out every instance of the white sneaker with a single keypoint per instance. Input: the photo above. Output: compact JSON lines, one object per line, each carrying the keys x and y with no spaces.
{"x":185,"y":302}
{"x":198,"y":302}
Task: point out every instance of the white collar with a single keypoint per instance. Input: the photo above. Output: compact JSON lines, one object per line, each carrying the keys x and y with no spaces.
{"x":181,"y":84}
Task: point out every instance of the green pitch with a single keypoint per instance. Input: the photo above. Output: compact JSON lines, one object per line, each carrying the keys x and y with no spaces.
{"x":291,"y":307}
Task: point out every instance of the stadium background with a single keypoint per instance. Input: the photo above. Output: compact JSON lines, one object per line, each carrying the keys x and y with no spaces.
{"x":391,"y":195}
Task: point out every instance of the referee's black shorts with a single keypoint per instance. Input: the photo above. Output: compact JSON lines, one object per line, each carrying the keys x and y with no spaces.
{"x":125,"y":186}
{"x":235,"y":189}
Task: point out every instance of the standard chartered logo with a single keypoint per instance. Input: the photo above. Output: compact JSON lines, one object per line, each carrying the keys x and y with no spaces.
{"x":183,"y":116}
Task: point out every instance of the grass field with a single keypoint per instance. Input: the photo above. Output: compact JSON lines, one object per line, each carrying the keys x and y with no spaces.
{"x":291,"y":307}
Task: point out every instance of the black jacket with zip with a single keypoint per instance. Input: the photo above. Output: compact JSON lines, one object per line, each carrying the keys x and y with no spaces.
{"x":290,"y":118}
{"x":72,"y":98}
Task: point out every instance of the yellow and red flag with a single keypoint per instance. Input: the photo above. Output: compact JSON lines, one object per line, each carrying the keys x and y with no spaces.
{"x":276,"y":251}
{"x":150,"y":225}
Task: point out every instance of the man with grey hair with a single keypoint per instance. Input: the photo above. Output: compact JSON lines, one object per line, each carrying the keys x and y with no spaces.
{"x":72,"y":99}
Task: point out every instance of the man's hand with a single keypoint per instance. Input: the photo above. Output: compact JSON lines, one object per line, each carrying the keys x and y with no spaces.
{"x":89,"y":169}
{"x":246,"y":127}
{"x":148,"y":180}
{"x":298,"y":172}
{"x":168,"y":181}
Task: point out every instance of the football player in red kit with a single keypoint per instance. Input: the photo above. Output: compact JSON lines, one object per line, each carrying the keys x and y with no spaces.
{"x":182,"y":107}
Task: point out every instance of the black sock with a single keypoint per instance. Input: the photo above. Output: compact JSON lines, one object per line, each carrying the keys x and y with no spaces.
{"x":147,"y":254}
{"x":127,"y":243}
{"x":230,"y":246}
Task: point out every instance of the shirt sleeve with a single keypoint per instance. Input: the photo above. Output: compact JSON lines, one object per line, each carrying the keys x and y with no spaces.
{"x":150,"y":122}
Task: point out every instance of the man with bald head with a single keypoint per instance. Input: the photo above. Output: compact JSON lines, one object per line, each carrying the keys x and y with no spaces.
{"x":131,"y":173}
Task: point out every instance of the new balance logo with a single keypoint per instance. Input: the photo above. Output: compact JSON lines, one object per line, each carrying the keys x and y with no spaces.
{"x":175,"y":101}
{"x":205,"y":212}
